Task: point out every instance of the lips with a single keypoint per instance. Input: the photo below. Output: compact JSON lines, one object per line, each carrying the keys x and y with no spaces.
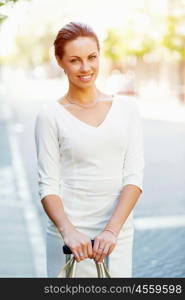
{"x":85,"y":78}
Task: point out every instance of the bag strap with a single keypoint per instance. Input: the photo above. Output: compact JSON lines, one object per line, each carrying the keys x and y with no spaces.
{"x":65,"y":268}
{"x":102,"y":270}
{"x":70,"y":268}
{"x":106,"y":270}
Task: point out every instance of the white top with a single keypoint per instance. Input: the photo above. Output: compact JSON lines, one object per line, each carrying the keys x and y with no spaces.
{"x":87,"y":166}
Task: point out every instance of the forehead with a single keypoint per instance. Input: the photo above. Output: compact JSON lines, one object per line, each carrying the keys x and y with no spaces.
{"x":81,"y":46}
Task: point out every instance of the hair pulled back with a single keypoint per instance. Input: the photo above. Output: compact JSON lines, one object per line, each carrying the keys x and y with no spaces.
{"x":70,"y":32}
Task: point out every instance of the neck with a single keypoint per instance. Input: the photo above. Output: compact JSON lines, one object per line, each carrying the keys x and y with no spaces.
{"x":84,"y":96}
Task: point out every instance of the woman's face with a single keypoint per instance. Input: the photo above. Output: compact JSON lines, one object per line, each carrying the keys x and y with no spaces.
{"x":81,"y":61}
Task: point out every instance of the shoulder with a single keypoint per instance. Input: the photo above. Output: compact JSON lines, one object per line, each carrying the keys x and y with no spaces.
{"x":47,"y":112}
{"x":46,"y":116}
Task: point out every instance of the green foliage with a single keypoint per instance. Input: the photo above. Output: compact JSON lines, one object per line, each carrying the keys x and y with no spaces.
{"x":4,"y":3}
{"x":123,"y":43}
{"x":137,"y":44}
{"x":113,"y":47}
{"x":173,"y":40}
{"x":2,"y":18}
{"x":120,"y":44}
{"x":31,"y":49}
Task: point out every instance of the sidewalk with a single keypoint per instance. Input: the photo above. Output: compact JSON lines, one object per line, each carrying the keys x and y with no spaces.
{"x":21,"y":251}
{"x":167,"y":110}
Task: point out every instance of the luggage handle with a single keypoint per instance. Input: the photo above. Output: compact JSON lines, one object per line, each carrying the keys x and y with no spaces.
{"x":67,"y":250}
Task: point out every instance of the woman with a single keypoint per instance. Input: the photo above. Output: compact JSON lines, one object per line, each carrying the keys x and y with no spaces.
{"x":90,"y":163}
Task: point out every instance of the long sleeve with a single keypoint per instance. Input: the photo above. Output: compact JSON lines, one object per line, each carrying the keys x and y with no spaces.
{"x":134,"y":159}
{"x":48,"y":154}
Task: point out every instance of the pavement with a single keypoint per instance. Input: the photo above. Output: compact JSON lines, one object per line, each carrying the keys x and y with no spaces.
{"x":159,"y":216}
{"x":21,"y":238}
{"x":160,"y":212}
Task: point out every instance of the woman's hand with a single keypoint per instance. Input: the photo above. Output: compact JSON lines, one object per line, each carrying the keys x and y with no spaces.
{"x":79,"y":243}
{"x":104,"y":244}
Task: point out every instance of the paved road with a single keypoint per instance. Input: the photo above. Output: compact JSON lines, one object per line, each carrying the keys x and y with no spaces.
{"x":159,"y":214}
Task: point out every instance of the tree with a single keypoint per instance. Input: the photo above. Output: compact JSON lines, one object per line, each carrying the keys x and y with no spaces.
{"x":3,"y":3}
{"x":124,"y":43}
{"x":33,"y":49}
{"x":113,"y":48}
{"x":174,"y":40}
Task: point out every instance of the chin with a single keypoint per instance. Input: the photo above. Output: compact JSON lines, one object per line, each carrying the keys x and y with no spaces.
{"x":84,"y":84}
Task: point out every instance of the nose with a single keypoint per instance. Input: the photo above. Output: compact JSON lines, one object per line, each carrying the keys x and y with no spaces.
{"x":85,"y":67}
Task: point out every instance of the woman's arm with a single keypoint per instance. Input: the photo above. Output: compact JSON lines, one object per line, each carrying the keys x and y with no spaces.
{"x":75,"y":240}
{"x":48,"y":167}
{"x":49,"y":173}
{"x":132,"y":185}
{"x":127,"y":200}
{"x":54,"y":208}
{"x":132,"y":172}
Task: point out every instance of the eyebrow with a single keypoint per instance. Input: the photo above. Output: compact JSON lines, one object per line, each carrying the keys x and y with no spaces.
{"x":79,"y":57}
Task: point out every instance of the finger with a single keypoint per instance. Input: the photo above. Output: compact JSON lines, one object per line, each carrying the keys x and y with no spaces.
{"x":100,"y":251}
{"x":84,"y":251}
{"x":81,"y":254}
{"x":89,"y":250}
{"x":111,"y":249}
{"x":104,"y":253}
{"x":95,"y":248}
{"x":77,"y":257}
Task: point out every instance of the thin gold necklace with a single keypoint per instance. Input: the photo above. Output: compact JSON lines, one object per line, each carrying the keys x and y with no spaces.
{"x":81,"y":105}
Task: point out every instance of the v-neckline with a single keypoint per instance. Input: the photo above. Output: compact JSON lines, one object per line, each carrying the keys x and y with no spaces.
{"x":84,"y":123}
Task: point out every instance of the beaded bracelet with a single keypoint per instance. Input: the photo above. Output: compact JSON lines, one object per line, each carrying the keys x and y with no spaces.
{"x":111,"y":231}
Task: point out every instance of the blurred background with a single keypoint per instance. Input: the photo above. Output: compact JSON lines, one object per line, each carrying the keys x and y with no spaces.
{"x":142,"y":57}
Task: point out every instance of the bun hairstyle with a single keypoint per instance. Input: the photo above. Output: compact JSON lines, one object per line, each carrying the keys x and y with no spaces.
{"x":70,"y":32}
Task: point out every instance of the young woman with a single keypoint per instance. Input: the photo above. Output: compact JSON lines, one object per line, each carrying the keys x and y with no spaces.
{"x":90,"y":163}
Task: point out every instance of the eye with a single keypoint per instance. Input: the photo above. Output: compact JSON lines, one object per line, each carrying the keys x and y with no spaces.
{"x":93,"y":56}
{"x":73,"y":60}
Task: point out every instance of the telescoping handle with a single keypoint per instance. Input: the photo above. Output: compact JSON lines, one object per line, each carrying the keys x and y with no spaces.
{"x":67,"y":250}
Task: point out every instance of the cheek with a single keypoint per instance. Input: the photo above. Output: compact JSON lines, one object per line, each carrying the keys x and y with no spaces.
{"x":97,"y":65}
{"x":72,"y":70}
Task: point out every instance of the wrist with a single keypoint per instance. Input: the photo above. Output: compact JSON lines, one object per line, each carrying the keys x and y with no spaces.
{"x":65,"y":228}
{"x":112,"y":231}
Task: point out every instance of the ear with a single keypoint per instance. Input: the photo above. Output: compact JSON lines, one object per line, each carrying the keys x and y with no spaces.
{"x":59,"y":61}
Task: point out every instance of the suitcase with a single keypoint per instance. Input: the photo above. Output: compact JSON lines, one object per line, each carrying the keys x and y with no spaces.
{"x":68,"y":270}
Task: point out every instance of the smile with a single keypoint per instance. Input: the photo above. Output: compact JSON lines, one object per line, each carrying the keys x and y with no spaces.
{"x":86,"y":78}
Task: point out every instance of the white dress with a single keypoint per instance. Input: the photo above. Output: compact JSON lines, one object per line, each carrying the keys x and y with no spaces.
{"x":87,"y":167}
